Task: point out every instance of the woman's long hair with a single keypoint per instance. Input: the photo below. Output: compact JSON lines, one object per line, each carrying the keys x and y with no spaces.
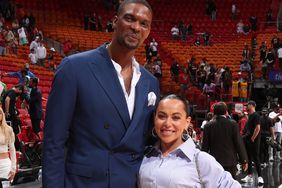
{"x":4,"y":128}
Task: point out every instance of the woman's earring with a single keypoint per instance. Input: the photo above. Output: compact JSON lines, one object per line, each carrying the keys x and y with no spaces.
{"x":154,"y":134}
{"x":185,"y":135}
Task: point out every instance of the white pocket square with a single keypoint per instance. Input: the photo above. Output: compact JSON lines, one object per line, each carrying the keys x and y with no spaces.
{"x":152,"y":99}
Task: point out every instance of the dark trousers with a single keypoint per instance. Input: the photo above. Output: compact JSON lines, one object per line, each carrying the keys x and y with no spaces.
{"x":16,"y":123}
{"x":232,"y":170}
{"x":36,"y":125}
{"x":263,"y":150}
{"x":253,"y":155}
{"x":280,"y":63}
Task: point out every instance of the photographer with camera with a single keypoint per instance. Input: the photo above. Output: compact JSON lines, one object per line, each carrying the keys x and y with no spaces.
{"x":276,"y":116}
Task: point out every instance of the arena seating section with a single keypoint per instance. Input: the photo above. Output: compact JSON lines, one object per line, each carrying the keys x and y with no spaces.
{"x":63,"y":20}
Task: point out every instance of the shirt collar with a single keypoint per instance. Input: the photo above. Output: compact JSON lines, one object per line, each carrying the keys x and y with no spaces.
{"x":135,"y":66}
{"x":186,"y":150}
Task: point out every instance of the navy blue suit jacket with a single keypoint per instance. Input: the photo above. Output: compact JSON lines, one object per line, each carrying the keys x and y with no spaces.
{"x":87,"y":109}
{"x":35,"y":104}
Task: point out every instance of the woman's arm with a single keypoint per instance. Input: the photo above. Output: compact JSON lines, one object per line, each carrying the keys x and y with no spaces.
{"x":12,"y":151}
{"x":213,"y":174}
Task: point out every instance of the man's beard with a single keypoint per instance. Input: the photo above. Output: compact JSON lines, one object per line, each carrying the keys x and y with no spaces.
{"x":128,"y":45}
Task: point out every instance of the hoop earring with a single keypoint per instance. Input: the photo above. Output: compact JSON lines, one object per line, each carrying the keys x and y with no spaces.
{"x":154,"y":134}
{"x":185,"y":135}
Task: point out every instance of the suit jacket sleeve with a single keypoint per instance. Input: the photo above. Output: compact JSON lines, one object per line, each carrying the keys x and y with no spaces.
{"x":205,"y":145}
{"x":60,"y":110}
{"x":239,"y":145}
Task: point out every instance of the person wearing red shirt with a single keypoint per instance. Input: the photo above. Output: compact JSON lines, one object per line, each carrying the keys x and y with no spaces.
{"x":242,"y":121}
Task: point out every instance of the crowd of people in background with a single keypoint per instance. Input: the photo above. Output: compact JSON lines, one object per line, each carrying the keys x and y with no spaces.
{"x":269,"y":56}
{"x":215,"y":82}
{"x":153,"y":61}
{"x":18,"y":31}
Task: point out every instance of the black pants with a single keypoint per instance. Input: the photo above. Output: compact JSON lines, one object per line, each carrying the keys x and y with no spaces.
{"x":16,"y":123}
{"x":232,"y":170}
{"x":263,"y":150}
{"x":253,"y":155}
{"x":280,"y":63}
{"x":36,"y":125}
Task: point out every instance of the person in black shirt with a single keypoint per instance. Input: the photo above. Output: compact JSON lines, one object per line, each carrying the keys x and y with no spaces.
{"x":92,"y":22}
{"x":192,"y":69}
{"x":174,"y":71}
{"x":9,"y":106}
{"x":267,"y":130}
{"x":252,"y":136}
{"x":275,"y":43}
{"x":189,"y":29}
{"x":263,"y":50}
{"x":86,"y":22}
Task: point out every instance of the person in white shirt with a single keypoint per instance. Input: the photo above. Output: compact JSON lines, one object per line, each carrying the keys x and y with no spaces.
{"x":175,"y":161}
{"x":34,"y":44}
{"x":175,"y":32}
{"x":233,"y":11}
{"x":276,"y":116}
{"x":153,"y":47}
{"x":33,"y":57}
{"x":22,"y":36}
{"x":41,"y":54}
{"x":157,"y":71}
{"x":279,"y":52}
{"x":240,"y":27}
{"x":7,"y":149}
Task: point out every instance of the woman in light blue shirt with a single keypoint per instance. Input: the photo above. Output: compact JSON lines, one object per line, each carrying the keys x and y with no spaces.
{"x":175,"y":162}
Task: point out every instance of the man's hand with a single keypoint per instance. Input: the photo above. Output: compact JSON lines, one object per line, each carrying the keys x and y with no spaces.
{"x":245,"y":166}
{"x":253,"y":139}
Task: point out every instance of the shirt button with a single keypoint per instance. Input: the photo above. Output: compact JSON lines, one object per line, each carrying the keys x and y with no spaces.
{"x":133,"y":156}
{"x":106,"y":126}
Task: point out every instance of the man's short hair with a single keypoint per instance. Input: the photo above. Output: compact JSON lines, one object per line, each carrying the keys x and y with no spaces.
{"x":125,"y":2}
{"x":220,"y":108}
{"x":20,"y":87}
{"x":35,"y":81}
{"x":24,"y":71}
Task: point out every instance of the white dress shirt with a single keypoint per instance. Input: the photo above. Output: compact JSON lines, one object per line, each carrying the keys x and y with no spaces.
{"x":178,"y":170}
{"x":279,"y":51}
{"x":130,"y":99}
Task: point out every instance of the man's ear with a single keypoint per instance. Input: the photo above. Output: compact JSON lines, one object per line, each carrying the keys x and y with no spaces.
{"x":115,"y":19}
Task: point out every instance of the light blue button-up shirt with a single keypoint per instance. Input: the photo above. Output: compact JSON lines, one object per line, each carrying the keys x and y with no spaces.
{"x":178,"y":170}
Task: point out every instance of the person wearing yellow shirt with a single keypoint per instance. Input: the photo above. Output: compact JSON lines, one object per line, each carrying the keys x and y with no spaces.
{"x":243,"y":91}
{"x":235,"y":90}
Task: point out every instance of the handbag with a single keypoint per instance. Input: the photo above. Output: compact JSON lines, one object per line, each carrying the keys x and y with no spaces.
{"x":198,"y":169}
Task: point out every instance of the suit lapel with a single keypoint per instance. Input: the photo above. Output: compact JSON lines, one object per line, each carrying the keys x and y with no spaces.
{"x":141,"y":99}
{"x":106,"y":75}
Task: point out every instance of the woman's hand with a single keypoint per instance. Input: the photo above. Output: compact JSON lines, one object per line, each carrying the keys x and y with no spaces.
{"x":11,"y":175}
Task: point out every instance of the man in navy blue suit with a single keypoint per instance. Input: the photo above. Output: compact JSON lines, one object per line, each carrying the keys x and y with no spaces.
{"x":35,"y":105}
{"x":99,"y":108}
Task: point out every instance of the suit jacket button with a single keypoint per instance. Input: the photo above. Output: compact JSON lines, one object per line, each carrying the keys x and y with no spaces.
{"x":106,"y":126}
